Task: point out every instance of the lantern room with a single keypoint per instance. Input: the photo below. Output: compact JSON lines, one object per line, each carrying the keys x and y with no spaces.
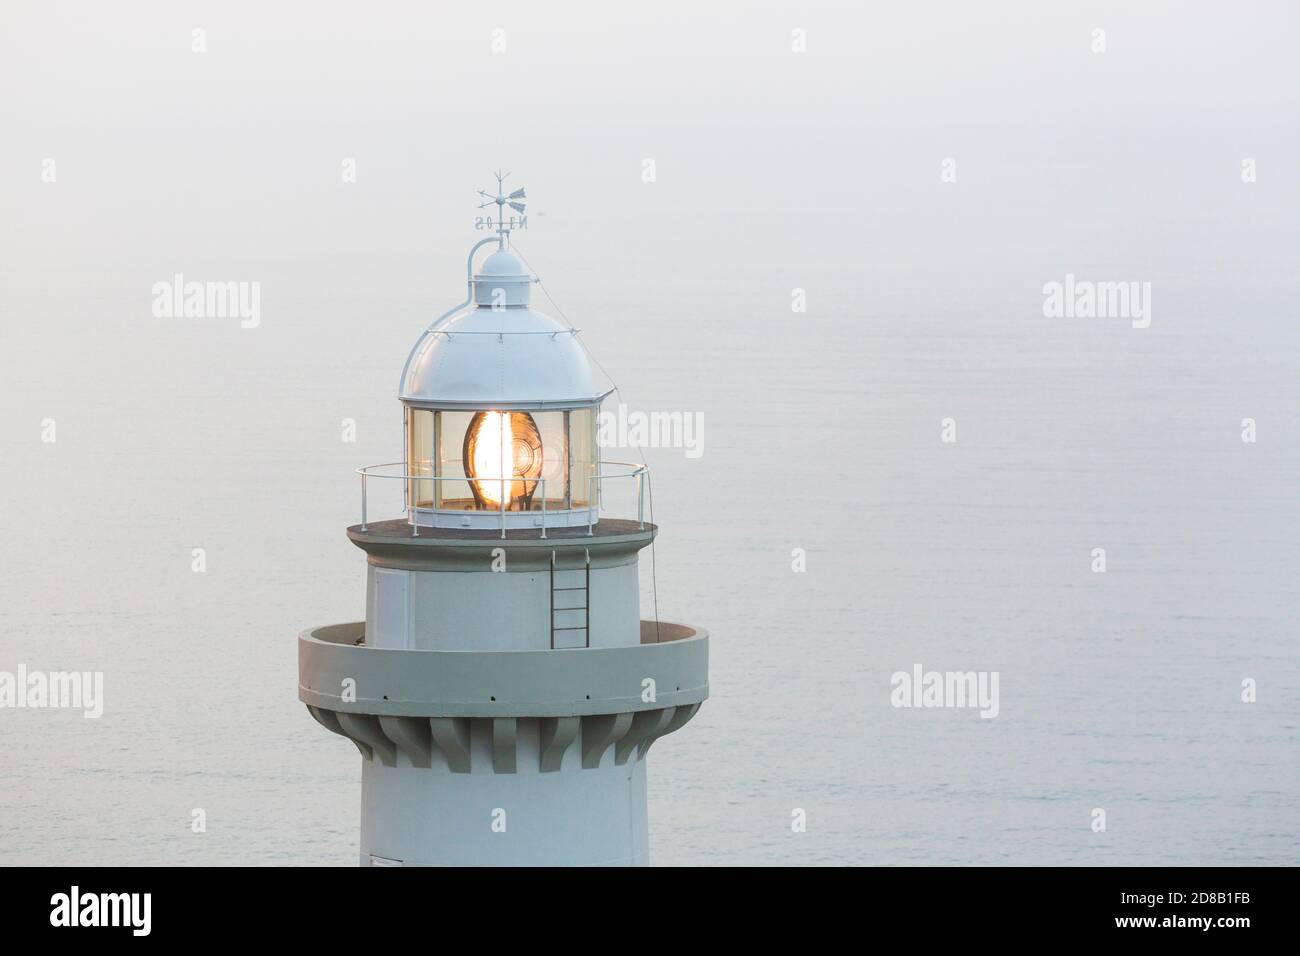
{"x":501,"y":413}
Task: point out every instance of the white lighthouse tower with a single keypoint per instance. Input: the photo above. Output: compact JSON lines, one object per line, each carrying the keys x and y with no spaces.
{"x":503,"y":689}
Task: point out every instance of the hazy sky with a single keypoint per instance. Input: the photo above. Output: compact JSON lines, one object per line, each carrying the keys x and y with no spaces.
{"x":233,"y":156}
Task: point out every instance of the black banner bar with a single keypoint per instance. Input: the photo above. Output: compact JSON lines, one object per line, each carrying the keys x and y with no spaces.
{"x":1149,"y":905}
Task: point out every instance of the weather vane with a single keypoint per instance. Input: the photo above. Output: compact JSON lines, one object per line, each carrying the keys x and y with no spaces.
{"x":503,"y":223}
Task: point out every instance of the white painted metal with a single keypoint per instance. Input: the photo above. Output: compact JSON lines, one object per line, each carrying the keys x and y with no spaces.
{"x":487,"y":358}
{"x":503,"y":281}
{"x":489,"y":520}
{"x":501,"y":350}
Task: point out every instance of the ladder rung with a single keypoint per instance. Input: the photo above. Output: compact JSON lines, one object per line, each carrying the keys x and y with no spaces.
{"x":583,"y":589}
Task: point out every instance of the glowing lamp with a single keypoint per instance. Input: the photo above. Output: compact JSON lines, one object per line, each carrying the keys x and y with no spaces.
{"x":503,"y":453}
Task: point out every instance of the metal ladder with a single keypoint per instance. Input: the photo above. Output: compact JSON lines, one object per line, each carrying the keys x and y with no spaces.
{"x":567,"y":598}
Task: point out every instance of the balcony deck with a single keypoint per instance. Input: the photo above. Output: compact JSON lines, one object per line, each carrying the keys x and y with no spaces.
{"x":390,"y":544}
{"x":606,"y":528}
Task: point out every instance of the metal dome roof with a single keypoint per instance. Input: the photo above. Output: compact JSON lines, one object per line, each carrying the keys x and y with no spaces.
{"x":485,"y":357}
{"x":503,"y":262}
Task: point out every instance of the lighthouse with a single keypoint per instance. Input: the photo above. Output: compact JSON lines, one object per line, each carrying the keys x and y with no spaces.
{"x":504,"y":691}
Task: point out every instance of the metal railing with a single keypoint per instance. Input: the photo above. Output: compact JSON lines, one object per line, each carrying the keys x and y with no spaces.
{"x":595,"y":494}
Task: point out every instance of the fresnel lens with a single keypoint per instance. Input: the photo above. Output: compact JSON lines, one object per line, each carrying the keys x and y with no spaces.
{"x":503,"y":456}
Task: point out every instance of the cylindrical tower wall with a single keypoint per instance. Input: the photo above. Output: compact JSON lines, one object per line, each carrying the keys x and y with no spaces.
{"x":505,"y":610}
{"x":575,"y":816}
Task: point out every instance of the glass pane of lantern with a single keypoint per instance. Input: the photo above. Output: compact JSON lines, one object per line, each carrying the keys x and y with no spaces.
{"x":555,"y":462}
{"x":583,"y":456}
{"x":420,"y":455}
{"x":455,"y":495}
